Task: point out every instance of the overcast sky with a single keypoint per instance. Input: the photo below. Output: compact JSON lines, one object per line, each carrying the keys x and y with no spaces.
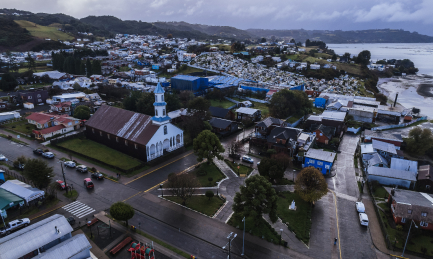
{"x":413,"y":15}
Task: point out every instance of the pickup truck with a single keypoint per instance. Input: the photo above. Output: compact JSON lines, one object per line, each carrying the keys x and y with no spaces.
{"x":14,"y":225}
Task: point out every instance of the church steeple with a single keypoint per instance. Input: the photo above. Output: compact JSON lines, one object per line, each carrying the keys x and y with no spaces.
{"x":160,"y":107}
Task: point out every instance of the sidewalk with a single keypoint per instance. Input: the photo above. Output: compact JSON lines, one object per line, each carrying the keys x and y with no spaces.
{"x":101,"y":216}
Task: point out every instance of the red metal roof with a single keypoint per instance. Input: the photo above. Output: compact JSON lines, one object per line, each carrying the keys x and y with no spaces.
{"x":39,"y":117}
{"x":125,"y":124}
{"x":49,"y":130}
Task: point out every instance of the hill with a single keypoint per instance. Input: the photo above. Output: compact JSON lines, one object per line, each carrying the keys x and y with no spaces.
{"x":44,"y":32}
{"x":217,"y":31}
{"x":11,"y":34}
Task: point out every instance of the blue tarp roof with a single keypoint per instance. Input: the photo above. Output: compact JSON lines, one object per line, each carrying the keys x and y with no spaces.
{"x":186,"y":77}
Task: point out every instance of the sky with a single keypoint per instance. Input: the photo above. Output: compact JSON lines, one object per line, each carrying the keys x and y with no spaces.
{"x":412,"y":15}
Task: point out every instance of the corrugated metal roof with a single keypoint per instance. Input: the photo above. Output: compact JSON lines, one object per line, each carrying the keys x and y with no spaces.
{"x":26,"y":192}
{"x":6,"y":198}
{"x":33,"y":237}
{"x":67,"y":249}
{"x":403,"y":164}
{"x":383,"y":135}
{"x":245,"y":110}
{"x":321,"y":155}
{"x":380,"y":145}
{"x":392,"y":173}
{"x":125,"y":124}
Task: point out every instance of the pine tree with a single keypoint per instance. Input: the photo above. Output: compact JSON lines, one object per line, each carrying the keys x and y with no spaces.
{"x":89,"y":68}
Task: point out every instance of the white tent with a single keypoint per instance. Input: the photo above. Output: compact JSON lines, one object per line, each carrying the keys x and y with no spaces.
{"x":22,"y":190}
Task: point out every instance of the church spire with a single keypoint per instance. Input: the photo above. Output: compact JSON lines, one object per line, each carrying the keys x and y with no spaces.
{"x":160,"y":107}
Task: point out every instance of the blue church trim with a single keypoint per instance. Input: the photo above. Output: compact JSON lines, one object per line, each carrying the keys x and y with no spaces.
{"x":160,"y":119}
{"x":159,"y":89}
{"x":159,"y":104}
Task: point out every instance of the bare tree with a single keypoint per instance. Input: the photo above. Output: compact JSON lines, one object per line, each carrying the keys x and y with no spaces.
{"x":234,"y":149}
{"x":183,"y":185}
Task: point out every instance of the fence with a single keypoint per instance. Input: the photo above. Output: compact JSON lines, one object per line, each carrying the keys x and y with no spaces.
{"x":256,"y":100}
{"x":399,"y":125}
{"x":15,"y":175}
{"x":231,"y":100}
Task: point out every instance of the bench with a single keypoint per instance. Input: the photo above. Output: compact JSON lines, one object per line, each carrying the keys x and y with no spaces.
{"x":93,"y":221}
{"x":121,"y":245}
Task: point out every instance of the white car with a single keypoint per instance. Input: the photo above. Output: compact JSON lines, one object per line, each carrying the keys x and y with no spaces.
{"x":69,"y":164}
{"x":360,"y":207}
{"x":2,"y":157}
{"x":363,"y":219}
{"x":48,"y":155}
{"x":248,"y":159}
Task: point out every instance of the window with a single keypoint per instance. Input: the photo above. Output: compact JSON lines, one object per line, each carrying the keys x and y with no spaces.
{"x":100,"y":133}
{"x":319,"y":163}
{"x":126,"y":142}
{"x":403,"y":220}
{"x":163,"y":112}
{"x":136,"y":146}
{"x":108,"y":136}
{"x":409,"y":211}
{"x":165,"y":130}
{"x":156,"y":98}
{"x":93,"y":130}
{"x":156,"y":112}
{"x":117,"y":139}
{"x":327,"y":166}
{"x":427,"y":187}
{"x":312,"y":162}
{"x":40,"y":100}
{"x":39,"y":96}
{"x":29,"y":97}
{"x":424,"y":214}
{"x":162,"y":97}
{"x":423,"y":224}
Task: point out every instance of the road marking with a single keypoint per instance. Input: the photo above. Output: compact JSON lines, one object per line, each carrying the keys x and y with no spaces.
{"x":158,"y":168}
{"x":46,"y":213}
{"x":336,"y":214}
{"x":78,"y":209}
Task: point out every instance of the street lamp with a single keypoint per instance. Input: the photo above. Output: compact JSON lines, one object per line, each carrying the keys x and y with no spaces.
{"x":243,"y":239}
{"x":408,"y":235}
{"x":229,"y":243}
{"x":160,"y":186}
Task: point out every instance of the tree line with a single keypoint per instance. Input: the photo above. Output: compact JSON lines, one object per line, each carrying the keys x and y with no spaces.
{"x":72,"y":64}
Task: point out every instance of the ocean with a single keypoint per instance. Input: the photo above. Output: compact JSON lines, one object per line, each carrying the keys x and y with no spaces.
{"x":421,"y":54}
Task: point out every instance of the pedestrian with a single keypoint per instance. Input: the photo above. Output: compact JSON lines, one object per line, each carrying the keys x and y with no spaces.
{"x":335,"y":241}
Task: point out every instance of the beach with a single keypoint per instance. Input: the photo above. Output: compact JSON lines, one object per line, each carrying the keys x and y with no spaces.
{"x":413,"y":91}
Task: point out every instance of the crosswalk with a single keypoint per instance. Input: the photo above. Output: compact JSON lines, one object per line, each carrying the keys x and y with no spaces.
{"x":78,"y":209}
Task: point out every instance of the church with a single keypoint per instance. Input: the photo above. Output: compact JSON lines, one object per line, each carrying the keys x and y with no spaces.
{"x":135,"y":134}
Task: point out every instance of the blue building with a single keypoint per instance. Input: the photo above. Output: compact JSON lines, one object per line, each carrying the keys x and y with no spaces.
{"x":320,"y":159}
{"x":392,"y":177}
{"x":320,"y":102}
{"x":156,"y":67}
{"x":2,"y":176}
{"x":189,"y":83}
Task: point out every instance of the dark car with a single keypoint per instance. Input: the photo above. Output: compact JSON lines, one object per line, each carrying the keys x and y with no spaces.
{"x":81,"y":168}
{"x":97,"y":175}
{"x":71,"y":220}
{"x":38,"y":152}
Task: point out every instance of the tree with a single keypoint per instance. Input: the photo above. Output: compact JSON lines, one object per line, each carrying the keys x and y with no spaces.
{"x":209,"y":194}
{"x":419,"y":141}
{"x":271,"y":168}
{"x":185,"y":97}
{"x":363,"y":57}
{"x":199,"y":104}
{"x":8,"y":82}
{"x":96,"y":67}
{"x":334,"y":57}
{"x":89,"y":68}
{"x":256,"y":198}
{"x":234,"y":148}
{"x":122,"y":211}
{"x":31,"y":64}
{"x":207,"y":145}
{"x":183,"y":186}
{"x":169,"y":36}
{"x":286,"y":103}
{"x":82,"y":112}
{"x":130,"y":102}
{"x":283,"y":160}
{"x":173,"y":102}
{"x":263,"y":40}
{"x":144,"y":104}
{"x":38,"y":171}
{"x":310,"y":184}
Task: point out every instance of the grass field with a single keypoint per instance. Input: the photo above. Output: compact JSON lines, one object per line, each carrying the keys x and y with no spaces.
{"x":200,"y":203}
{"x":262,"y":229}
{"x":242,"y":168}
{"x":44,"y":32}
{"x":263,"y":107}
{"x":100,"y":152}
{"x":223,"y":104}
{"x":21,"y":126}
{"x":299,"y":220}
{"x":208,"y":170}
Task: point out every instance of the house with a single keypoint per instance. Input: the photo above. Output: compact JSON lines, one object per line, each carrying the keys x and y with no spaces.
{"x":384,"y":149}
{"x":363,"y":113}
{"x":323,"y":133}
{"x":328,"y":118}
{"x":403,"y":164}
{"x":70,"y":97}
{"x":425,"y":178}
{"x":245,"y":104}
{"x":52,"y":75}
{"x":49,"y":125}
{"x":138,"y":135}
{"x":320,"y":159}
{"x":4,"y":105}
{"x":60,"y":107}
{"x":223,"y":126}
{"x":409,"y":205}
{"x":374,"y":160}
{"x":321,"y":101}
{"x":392,"y":138}
{"x":265,"y":126}
{"x":221,"y":113}
{"x":248,"y":114}
{"x":283,"y":139}
{"x":37,"y":96}
{"x":392,"y":177}
{"x":47,"y":238}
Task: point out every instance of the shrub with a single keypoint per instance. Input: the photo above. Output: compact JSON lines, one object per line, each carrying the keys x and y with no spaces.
{"x":209,"y":194}
{"x":399,"y":227}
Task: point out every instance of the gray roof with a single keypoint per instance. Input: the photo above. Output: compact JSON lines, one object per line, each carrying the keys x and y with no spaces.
{"x":418,"y":202}
{"x":34,"y":236}
{"x":403,"y":164}
{"x":392,"y":173}
{"x":269,"y":121}
{"x":383,"y":135}
{"x":220,"y":123}
{"x":22,"y":190}
{"x":366,"y":148}
{"x":336,"y":116}
{"x":218,"y":112}
{"x":67,"y":249}
{"x":321,"y":155}
{"x":283,"y":133}
{"x":245,"y":110}
{"x":380,"y":145}
{"x":425,"y":172}
{"x":377,"y":159}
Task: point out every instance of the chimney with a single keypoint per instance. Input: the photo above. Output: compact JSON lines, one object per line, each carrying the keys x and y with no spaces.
{"x":395,"y":101}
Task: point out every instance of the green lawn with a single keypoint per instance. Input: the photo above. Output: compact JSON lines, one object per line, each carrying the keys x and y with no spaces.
{"x":44,"y":31}
{"x":14,"y":139}
{"x":21,"y":126}
{"x":263,"y":107}
{"x":205,"y":171}
{"x":242,"y":168}
{"x":380,"y":192}
{"x":100,"y":152}
{"x":71,"y":194}
{"x":223,"y":104}
{"x":200,"y":203}
{"x":294,"y":118}
{"x":317,"y":110}
{"x":298,"y":221}
{"x":262,"y":229}
{"x":360,"y":187}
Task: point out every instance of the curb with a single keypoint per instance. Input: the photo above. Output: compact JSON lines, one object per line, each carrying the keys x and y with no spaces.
{"x":216,"y":213}
{"x":48,"y":212}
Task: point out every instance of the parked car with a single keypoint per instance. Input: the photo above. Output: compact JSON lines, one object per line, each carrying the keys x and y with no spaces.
{"x":248,"y":159}
{"x":363,"y":219}
{"x":71,"y":220}
{"x":82,"y":168}
{"x":61,"y":184}
{"x":14,"y":225}
{"x":258,"y":163}
{"x":48,"y":154}
{"x":360,"y":207}
{"x":69,"y":164}
{"x":88,"y":183}
{"x":19,"y":166}
{"x":235,"y":156}
{"x":38,"y":152}
{"x":2,"y":157}
{"x":97,"y":175}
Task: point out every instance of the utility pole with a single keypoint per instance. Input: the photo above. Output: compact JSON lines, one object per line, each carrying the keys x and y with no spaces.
{"x":229,"y":243}
{"x":64,"y":177}
{"x":243,"y":239}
